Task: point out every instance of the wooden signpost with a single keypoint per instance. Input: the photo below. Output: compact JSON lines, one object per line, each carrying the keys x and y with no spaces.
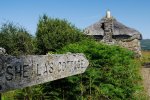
{"x":24,"y":71}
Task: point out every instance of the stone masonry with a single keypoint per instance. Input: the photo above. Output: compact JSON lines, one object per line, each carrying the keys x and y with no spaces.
{"x":110,"y":31}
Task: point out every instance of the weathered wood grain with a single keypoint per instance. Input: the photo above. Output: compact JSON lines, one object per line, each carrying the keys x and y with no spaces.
{"x":23,"y":71}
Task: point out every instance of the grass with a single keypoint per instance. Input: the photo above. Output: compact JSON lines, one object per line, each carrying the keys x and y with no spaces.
{"x":8,"y":95}
{"x":144,"y":72}
{"x":145,"y":57}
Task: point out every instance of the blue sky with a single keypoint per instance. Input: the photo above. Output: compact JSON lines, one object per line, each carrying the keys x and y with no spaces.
{"x":82,"y":13}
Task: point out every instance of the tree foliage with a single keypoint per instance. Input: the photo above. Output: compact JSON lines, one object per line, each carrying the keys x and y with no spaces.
{"x":53,"y":34}
{"x":16,"y":40}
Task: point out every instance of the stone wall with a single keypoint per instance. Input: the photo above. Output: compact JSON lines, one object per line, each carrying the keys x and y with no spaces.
{"x":129,"y":42}
{"x":133,"y":45}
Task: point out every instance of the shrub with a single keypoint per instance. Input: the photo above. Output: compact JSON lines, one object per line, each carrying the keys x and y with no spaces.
{"x":53,"y":34}
{"x":112,"y":73}
{"x":16,"y":40}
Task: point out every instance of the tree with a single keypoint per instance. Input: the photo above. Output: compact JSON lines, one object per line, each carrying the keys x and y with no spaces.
{"x":16,"y":40}
{"x":53,"y":34}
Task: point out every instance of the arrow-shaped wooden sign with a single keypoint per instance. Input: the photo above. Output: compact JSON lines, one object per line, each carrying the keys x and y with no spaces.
{"x":23,"y":71}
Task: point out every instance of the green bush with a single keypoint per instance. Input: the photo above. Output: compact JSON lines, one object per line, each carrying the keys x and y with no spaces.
{"x":53,"y":34}
{"x":16,"y":40}
{"x":112,"y":74}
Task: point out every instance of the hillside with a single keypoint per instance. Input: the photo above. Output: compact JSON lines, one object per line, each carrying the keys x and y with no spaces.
{"x":145,"y":44}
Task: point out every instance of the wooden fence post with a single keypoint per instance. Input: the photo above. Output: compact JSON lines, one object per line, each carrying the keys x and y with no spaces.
{"x":0,"y":96}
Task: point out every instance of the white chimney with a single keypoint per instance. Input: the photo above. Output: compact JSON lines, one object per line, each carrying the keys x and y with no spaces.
{"x":108,"y":14}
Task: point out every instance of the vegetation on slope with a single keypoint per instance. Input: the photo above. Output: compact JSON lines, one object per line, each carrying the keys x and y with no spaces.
{"x":145,"y":44}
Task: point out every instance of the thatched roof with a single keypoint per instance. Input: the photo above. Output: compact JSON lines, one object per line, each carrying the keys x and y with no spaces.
{"x":119,"y":29}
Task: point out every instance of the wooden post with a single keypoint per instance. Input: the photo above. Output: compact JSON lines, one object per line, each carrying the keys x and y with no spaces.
{"x":0,"y":96}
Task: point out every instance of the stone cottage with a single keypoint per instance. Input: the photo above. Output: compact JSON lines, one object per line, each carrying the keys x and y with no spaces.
{"x":110,"y":31}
